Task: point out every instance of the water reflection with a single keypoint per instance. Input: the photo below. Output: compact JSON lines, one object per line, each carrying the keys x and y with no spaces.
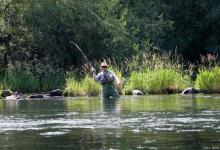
{"x":111,"y":105}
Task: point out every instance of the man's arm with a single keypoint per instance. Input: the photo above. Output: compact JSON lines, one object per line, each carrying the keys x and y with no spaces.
{"x":93,"y":73}
{"x":117,"y":80}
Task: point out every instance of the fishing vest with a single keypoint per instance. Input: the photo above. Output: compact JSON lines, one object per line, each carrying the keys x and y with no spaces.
{"x":104,"y":78}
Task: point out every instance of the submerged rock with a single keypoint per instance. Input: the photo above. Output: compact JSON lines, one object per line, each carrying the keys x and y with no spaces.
{"x":35,"y":96}
{"x":190,"y":90}
{"x":56,"y":92}
{"x":137,"y":92}
{"x":207,"y":91}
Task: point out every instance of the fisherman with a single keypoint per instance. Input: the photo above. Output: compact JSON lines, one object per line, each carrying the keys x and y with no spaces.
{"x":107,"y":79}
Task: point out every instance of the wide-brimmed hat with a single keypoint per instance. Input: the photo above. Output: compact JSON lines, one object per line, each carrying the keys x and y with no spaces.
{"x":104,"y":64}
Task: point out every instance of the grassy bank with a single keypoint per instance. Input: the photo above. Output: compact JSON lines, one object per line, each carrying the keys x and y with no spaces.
{"x":86,"y":86}
{"x":208,"y":80}
{"x":23,"y":78}
{"x":153,"y":74}
{"x":156,"y":74}
{"x":157,"y":81}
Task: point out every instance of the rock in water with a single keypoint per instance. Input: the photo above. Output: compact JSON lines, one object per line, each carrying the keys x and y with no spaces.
{"x":36,"y":96}
{"x":190,"y":90}
{"x":6,"y":93}
{"x":14,"y":96}
{"x":137,"y":92}
{"x":56,"y":92}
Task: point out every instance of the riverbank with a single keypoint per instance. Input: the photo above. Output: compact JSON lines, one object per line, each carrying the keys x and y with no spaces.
{"x":157,"y":81}
{"x":151,"y":74}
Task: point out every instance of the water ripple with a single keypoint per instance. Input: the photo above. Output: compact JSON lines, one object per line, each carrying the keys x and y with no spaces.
{"x":143,"y":121}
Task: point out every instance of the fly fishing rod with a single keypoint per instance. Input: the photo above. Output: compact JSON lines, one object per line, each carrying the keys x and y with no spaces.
{"x":89,"y":63}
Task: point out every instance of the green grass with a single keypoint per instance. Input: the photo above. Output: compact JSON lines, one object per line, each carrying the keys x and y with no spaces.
{"x":208,"y":79}
{"x":157,"y":81}
{"x":90,"y":86}
{"x":22,"y":78}
{"x":52,"y":80}
{"x":87,"y":86}
{"x":150,"y":73}
{"x":21,"y":81}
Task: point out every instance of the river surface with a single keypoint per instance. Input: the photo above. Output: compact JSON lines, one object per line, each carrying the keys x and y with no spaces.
{"x":145,"y":122}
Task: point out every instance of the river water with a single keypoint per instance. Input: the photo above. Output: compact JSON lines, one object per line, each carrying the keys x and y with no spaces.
{"x":145,"y":122}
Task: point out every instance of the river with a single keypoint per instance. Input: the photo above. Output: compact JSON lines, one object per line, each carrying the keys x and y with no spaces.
{"x":132,"y":122}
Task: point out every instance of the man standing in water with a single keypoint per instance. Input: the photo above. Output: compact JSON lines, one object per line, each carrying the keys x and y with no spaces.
{"x":106,"y":78}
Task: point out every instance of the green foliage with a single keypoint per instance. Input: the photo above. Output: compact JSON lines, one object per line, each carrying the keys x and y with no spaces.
{"x":73,"y":87}
{"x":208,"y":79}
{"x":19,"y":80}
{"x":24,"y":78}
{"x":86,"y":86}
{"x":91,"y":87}
{"x":156,"y":73}
{"x":50,"y":78}
{"x":135,"y":81}
{"x":134,"y":32}
{"x":156,"y":81}
{"x":105,"y":29}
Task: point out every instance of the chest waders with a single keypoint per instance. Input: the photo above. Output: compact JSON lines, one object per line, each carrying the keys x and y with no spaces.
{"x":109,"y":89}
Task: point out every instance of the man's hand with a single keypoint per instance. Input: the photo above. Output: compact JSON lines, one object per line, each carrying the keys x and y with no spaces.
{"x":110,"y":78}
{"x":93,"y":70}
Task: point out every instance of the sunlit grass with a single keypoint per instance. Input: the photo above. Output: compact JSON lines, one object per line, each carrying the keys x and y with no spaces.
{"x":208,"y":79}
{"x":156,"y":74}
{"x":86,"y":86}
{"x":157,"y":81}
{"x":90,"y":86}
